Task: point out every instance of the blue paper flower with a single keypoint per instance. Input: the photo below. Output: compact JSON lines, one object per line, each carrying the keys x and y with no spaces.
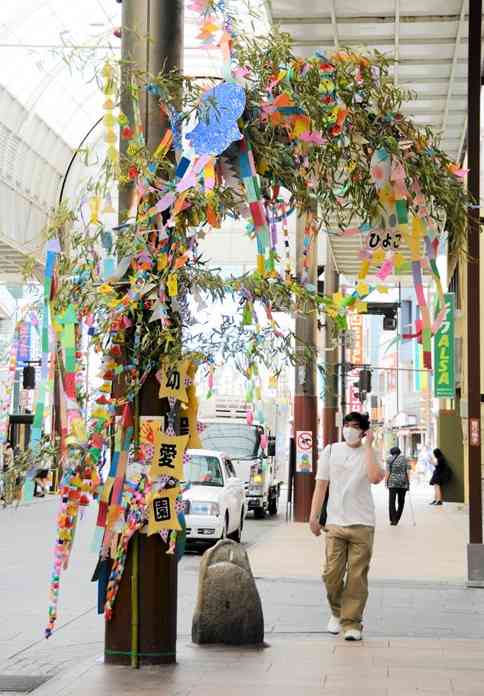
{"x":217,"y":128}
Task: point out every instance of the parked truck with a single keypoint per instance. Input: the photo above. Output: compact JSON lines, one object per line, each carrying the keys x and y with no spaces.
{"x":230,"y":433}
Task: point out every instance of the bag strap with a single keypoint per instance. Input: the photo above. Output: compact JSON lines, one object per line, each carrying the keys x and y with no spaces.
{"x":392,"y":463}
{"x":329,"y":464}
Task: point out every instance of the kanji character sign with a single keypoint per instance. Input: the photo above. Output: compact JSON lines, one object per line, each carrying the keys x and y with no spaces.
{"x":168,"y":456}
{"x":172,"y":379}
{"x":162,"y":511}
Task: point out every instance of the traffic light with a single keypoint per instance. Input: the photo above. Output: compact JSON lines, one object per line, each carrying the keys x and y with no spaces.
{"x":28,"y":377}
{"x":363,"y":385}
{"x":389,"y":311}
{"x":389,"y":322}
{"x":364,"y":381}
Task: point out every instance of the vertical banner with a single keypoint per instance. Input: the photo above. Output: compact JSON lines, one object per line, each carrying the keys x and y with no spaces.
{"x":421,"y":377}
{"x":355,"y":324}
{"x":6,"y":400}
{"x":418,"y":362}
{"x":474,"y":432}
{"x":444,"y":353}
{"x":24,"y":341}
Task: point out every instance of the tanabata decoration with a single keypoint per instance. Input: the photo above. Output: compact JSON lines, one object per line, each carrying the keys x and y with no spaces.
{"x":52,"y":254}
{"x":110,"y":135}
{"x":217,"y":127}
{"x":168,"y":456}
{"x":323,"y":137}
{"x":391,"y":230}
{"x":162,"y":513}
{"x":172,"y":379}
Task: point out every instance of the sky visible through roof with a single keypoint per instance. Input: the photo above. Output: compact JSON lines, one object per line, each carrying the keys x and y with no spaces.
{"x":50,"y":51}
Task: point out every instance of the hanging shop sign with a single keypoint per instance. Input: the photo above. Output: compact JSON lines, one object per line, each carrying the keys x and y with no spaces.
{"x":384,"y":239}
{"x":475,"y":432}
{"x":444,"y":355}
{"x":304,"y":452}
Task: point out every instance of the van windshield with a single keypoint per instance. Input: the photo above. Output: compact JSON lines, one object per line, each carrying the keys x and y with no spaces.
{"x":236,"y":440}
{"x":203,"y":471}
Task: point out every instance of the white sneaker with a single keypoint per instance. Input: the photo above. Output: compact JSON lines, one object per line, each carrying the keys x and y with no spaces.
{"x":334,"y":625}
{"x":352,"y":634}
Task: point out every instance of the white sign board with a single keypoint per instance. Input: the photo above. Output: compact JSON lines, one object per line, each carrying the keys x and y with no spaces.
{"x":304,"y":452}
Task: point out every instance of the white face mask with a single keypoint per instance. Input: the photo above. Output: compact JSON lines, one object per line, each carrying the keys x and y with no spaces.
{"x":351,"y":435}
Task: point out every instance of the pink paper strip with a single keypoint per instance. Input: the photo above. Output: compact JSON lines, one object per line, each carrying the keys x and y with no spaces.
{"x":420,"y":295}
{"x":385,"y":270}
{"x":189,"y":180}
{"x":165,"y":202}
{"x":314,"y":137}
{"x":439,"y":320}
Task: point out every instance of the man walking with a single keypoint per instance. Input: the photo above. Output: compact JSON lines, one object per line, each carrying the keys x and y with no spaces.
{"x":349,"y":468}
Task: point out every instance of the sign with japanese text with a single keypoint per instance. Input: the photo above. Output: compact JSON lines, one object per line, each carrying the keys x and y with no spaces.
{"x":444,"y":356}
{"x":162,"y":511}
{"x":304,"y":452}
{"x":173,"y":380}
{"x":475,"y":432}
{"x":168,"y":456}
{"x":384,"y":239}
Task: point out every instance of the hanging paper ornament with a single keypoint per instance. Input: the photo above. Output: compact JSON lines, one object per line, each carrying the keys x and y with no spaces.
{"x":172,"y":285}
{"x":162,"y":511}
{"x":172,"y":380}
{"x":168,"y":456}
{"x":307,"y":242}
{"x":217,"y":128}
{"x":108,"y":120}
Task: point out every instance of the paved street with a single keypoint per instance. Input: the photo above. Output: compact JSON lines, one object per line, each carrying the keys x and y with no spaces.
{"x":26,"y":540}
{"x":416,"y":619}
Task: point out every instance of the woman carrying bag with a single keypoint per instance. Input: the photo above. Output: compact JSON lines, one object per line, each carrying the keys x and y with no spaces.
{"x":442,"y":475}
{"x":397,"y":482}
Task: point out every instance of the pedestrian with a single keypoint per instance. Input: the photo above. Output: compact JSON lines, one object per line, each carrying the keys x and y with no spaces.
{"x":348,"y":468}
{"x":41,"y":483}
{"x":397,"y":482}
{"x":442,"y":475}
{"x":7,"y":473}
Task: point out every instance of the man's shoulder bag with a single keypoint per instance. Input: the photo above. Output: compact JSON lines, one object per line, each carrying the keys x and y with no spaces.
{"x":323,"y":516}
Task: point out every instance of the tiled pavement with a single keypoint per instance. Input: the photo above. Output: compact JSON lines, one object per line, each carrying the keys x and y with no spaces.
{"x":424,"y":630}
{"x":299,"y":665}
